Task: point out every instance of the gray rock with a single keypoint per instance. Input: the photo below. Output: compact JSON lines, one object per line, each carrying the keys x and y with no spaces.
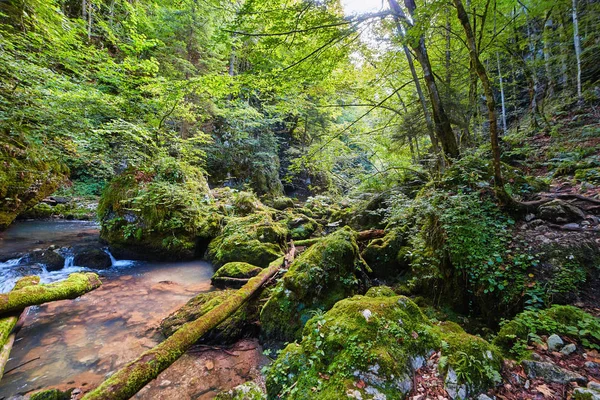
{"x":51,"y":259}
{"x":568,"y":349}
{"x":559,"y":211}
{"x":571,"y":227}
{"x":591,"y":365}
{"x":529,"y":217}
{"x":484,"y":397}
{"x":594,"y":386}
{"x":555,"y":343}
{"x":551,"y":372}
{"x":453,"y":388}
{"x":92,"y":258}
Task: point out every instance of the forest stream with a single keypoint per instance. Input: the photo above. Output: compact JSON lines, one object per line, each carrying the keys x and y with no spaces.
{"x":77,"y":343}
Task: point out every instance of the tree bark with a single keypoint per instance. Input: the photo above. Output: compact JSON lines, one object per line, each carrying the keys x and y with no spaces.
{"x":440,"y":118}
{"x":8,"y":324}
{"x":577,"y":44}
{"x":491,"y":103}
{"x":74,"y":286}
{"x":126,"y":382}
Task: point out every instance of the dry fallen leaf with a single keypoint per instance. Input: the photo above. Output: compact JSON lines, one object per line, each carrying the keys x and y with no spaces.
{"x":361,"y":384}
{"x":545,"y":390}
{"x":209,"y":365}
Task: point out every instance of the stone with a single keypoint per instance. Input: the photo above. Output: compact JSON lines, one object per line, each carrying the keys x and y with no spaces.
{"x":555,"y":342}
{"x":92,"y":258}
{"x":51,"y":259}
{"x":559,"y":211}
{"x":568,"y":349}
{"x":591,"y":365}
{"x":571,"y":227}
{"x":484,"y":397}
{"x":529,"y":217}
{"x":551,"y":372}
{"x":453,"y":388}
{"x":594,"y":386}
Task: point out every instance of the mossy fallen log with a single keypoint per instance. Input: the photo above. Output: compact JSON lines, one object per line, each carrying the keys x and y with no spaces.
{"x":9,"y":323}
{"x":74,"y":286}
{"x":360,"y":237}
{"x":126,"y":382}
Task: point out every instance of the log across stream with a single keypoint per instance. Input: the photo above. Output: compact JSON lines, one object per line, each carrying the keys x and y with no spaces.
{"x":77,"y":343}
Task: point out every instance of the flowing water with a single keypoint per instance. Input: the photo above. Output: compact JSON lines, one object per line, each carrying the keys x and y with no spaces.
{"x":77,"y":343}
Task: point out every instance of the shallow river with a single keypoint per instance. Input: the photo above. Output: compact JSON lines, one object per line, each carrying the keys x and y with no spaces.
{"x":77,"y":343}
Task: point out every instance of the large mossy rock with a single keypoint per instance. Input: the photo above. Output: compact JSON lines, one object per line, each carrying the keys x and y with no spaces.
{"x":256,"y":239}
{"x":560,"y":320}
{"x":162,"y":211}
{"x":301,"y":226}
{"x":238,"y":325}
{"x":325,"y":273}
{"x":28,"y":173}
{"x":384,"y":256}
{"x":369,"y":348}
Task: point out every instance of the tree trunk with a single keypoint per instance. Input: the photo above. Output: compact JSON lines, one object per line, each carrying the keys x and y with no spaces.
{"x":502,"y":98}
{"x":577,"y":45}
{"x":503,"y":197}
{"x":442,"y":123}
{"x":74,"y":286}
{"x":547,"y":56}
{"x":126,"y":382}
{"x":8,"y":324}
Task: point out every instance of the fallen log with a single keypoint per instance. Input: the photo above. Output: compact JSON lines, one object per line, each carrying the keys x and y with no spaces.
{"x":10,"y":325}
{"x":126,"y":382}
{"x":74,"y":286}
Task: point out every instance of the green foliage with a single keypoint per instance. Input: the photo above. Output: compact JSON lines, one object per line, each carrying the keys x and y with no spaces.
{"x":561,"y":320}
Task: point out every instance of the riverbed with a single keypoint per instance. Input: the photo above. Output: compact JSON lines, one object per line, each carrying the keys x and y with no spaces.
{"x":78,"y":343}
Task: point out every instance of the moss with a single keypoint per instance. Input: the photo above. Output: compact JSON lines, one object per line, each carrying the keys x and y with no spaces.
{"x":380,"y":291}
{"x":237,"y":270}
{"x":29,"y":173}
{"x":301,"y":226}
{"x":74,"y":286}
{"x":377,"y":340}
{"x":161,"y":211}
{"x":51,"y":394}
{"x":325,"y":273}
{"x":245,"y":203}
{"x":281,"y":203}
{"x":233,"y":328}
{"x":383,"y":256}
{"x":245,"y":391}
{"x":256,"y":239}
{"x":561,"y":320}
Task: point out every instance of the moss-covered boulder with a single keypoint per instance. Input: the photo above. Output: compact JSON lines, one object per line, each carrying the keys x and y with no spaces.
{"x":282,"y":202}
{"x":301,"y":226}
{"x":369,"y":347}
{"x":234,"y":274}
{"x":560,"y":320}
{"x":384,"y":256}
{"x":325,"y":273}
{"x":238,"y":325}
{"x":28,"y":174}
{"x":162,"y":211}
{"x":51,"y":394}
{"x":256,"y":239}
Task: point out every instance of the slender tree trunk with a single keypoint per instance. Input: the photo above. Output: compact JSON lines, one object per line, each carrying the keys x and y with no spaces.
{"x":547,"y":56}
{"x":501,"y":93}
{"x":428,"y":121}
{"x":577,"y":44}
{"x":491,"y":103}
{"x":564,"y":54}
{"x":442,"y":123}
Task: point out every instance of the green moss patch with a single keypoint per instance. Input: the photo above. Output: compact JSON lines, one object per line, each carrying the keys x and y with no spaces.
{"x":325,"y":273}
{"x":369,"y":347}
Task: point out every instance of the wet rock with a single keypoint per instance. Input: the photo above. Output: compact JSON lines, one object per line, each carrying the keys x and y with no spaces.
{"x":559,"y":211}
{"x":51,"y":259}
{"x":568,"y":349}
{"x":551,"y":372}
{"x":555,"y":343}
{"x":92,"y":258}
